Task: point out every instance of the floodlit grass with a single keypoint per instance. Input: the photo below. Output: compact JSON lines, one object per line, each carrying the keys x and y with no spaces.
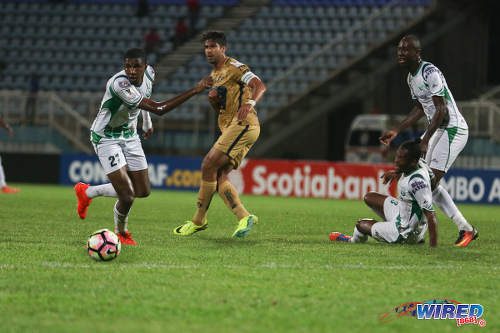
{"x":286,"y":276}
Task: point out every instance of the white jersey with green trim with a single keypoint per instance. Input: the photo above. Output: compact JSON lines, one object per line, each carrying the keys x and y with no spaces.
{"x":415,"y":195}
{"x":118,"y":113}
{"x":428,"y":82}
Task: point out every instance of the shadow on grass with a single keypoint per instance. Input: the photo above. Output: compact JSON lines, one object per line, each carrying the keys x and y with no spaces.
{"x":231,"y":242}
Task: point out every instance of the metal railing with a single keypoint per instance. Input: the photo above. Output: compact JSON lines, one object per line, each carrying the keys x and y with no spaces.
{"x":51,"y":111}
{"x":71,"y":114}
{"x":483,"y":118}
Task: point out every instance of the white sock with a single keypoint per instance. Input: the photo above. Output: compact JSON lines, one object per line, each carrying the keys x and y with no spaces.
{"x":443,"y":200}
{"x":121,"y":220}
{"x":2,"y":175}
{"x":104,"y":190}
{"x":358,"y":237}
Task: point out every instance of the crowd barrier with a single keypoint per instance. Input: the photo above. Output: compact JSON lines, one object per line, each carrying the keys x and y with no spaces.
{"x":328,"y":180}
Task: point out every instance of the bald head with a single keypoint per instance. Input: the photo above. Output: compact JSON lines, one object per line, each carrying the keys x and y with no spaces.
{"x":409,"y":52}
{"x":413,"y":41}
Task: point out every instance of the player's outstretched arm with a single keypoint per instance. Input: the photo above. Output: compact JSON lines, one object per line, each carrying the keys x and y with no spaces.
{"x":432,"y":223}
{"x":415,"y":114}
{"x":160,"y":108}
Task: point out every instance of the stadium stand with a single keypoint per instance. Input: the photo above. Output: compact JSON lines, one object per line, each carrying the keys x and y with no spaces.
{"x":76,"y":45}
{"x":294,"y":45}
{"x":285,"y":33}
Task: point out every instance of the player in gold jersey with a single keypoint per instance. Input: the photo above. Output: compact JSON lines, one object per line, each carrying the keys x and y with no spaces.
{"x":234,"y":94}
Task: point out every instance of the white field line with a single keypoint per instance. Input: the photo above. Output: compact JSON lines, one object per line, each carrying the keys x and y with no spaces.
{"x":264,"y":266}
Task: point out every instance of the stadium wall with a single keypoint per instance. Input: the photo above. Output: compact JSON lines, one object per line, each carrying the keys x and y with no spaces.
{"x":285,"y":178}
{"x":31,"y":168}
{"x":288,"y":178}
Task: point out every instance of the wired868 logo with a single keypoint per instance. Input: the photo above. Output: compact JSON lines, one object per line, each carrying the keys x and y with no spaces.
{"x":463,"y":314}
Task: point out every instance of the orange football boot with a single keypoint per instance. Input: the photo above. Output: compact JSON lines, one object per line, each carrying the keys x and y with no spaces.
{"x":83,"y":200}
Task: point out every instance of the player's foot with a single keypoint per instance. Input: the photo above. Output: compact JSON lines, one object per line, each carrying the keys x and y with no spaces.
{"x":126,"y":238}
{"x":245,"y":225}
{"x":10,"y":190}
{"x":339,"y":237}
{"x":83,"y":200}
{"x":189,"y":228}
{"x":466,"y":237}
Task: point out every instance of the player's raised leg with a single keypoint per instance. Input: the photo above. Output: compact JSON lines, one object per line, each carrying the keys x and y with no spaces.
{"x":85,"y":193}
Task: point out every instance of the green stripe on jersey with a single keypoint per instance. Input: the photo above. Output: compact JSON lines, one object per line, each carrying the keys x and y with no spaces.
{"x":452,"y":132}
{"x":116,"y":132}
{"x":148,"y":76}
{"x":447,"y":95}
{"x":115,"y":95}
{"x":95,"y":138}
{"x":112,"y":104}
{"x":415,"y":210}
{"x":417,"y":175}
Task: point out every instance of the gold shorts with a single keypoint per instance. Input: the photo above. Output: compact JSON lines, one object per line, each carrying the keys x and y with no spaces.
{"x":236,"y":141}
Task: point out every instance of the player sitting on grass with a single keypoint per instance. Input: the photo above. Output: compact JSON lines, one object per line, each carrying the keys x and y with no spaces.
{"x":406,"y":218}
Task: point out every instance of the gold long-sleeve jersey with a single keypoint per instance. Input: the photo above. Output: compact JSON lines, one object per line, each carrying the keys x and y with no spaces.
{"x":231,"y":83}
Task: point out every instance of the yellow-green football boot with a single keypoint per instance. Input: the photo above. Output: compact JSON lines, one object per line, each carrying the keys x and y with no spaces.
{"x":189,"y":228}
{"x":245,"y":225}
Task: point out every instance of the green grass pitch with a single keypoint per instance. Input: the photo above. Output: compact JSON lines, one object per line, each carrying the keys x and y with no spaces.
{"x":286,"y":276}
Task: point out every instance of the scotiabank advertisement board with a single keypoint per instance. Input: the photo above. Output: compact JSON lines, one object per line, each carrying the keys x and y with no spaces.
{"x":310,"y":179}
{"x":289,"y":178}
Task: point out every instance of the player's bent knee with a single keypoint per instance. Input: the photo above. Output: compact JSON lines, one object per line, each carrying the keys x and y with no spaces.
{"x":208,"y":168}
{"x":364,"y":227}
{"x":143,"y":194}
{"x":221,"y":178}
{"x":126,"y":197}
{"x":369,"y":197}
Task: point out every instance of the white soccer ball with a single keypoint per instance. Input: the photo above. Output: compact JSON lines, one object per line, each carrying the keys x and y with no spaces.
{"x":103,"y":245}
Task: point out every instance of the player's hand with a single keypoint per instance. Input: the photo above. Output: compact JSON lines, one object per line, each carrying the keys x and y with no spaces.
{"x":213,"y":97}
{"x":243,"y":111}
{"x":388,"y":136}
{"x":391,"y":175}
{"x":148,"y":133}
{"x":204,"y":83}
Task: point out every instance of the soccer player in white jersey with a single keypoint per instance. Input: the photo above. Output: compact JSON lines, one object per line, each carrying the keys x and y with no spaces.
{"x":4,"y":188}
{"x":116,"y":142}
{"x":408,"y":216}
{"x":446,"y":134}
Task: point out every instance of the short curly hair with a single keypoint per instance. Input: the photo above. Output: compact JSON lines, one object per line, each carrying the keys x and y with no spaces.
{"x":217,"y":36}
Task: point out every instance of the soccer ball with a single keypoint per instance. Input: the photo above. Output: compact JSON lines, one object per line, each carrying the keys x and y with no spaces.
{"x":103,"y":245}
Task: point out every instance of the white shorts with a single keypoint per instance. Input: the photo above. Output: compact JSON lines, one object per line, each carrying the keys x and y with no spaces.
{"x":114,"y":154}
{"x":388,"y":232}
{"x":444,"y":147}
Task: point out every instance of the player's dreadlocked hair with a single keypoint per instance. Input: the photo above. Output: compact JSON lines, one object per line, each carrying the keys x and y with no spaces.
{"x":413,"y":148}
{"x":217,"y":36}
{"x":135,"y":54}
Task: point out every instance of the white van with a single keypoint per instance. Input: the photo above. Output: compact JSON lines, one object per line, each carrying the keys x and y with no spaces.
{"x":362,"y":143}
